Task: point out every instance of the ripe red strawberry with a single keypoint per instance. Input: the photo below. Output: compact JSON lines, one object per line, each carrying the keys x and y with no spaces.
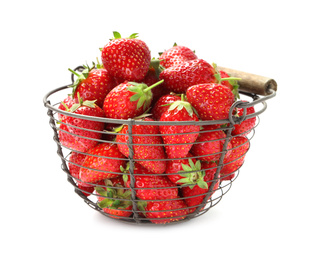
{"x":128,"y":100}
{"x":114,"y":199}
{"x":92,"y":84}
{"x":163,"y":212}
{"x":176,"y":55}
{"x":178,"y":139}
{"x":152,"y":151}
{"x":68,"y":101}
{"x":152,"y":77}
{"x":150,"y":186}
{"x":103,"y":162}
{"x":225,"y":79}
{"x":209,"y":145}
{"x":174,"y":168}
{"x":127,"y":58}
{"x":245,"y":127}
{"x":200,"y":184}
{"x":75,"y":162}
{"x":180,"y":77}
{"x":232,"y":163}
{"x":160,"y":106}
{"x":212,"y":101}
{"x":70,"y":134}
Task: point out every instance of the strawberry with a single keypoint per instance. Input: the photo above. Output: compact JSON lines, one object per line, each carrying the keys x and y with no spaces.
{"x":178,"y":139}
{"x":70,"y":133}
{"x":174,"y":167}
{"x":161,"y":105}
{"x":234,"y":161}
{"x":75,"y":162}
{"x":92,"y":84}
{"x":145,"y":146}
{"x":247,"y":125}
{"x":114,"y":199}
{"x":68,"y":101}
{"x":225,"y":79}
{"x":212,"y":101}
{"x":127,"y":58}
{"x":152,"y":77}
{"x":128,"y":100}
{"x":163,"y":212}
{"x":176,"y":55}
{"x":150,"y":186}
{"x":209,"y":145}
{"x":103,"y":161}
{"x":180,"y":77}
{"x":199,"y":181}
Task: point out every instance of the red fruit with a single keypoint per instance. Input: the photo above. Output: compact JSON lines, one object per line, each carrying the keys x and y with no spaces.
{"x":145,"y":147}
{"x":180,"y":77}
{"x":232,"y":163}
{"x":176,"y":55}
{"x":150,"y":79}
{"x":245,"y":126}
{"x":200,"y":184}
{"x":68,"y":101}
{"x":98,"y":166}
{"x":211,"y":101}
{"x":118,"y":202}
{"x":162,"y":212}
{"x":180,"y":138}
{"x":72,"y":136}
{"x":225,"y":79}
{"x":128,"y":100}
{"x":92,"y":84}
{"x":160,"y":106}
{"x":126,"y":58}
{"x":209,"y":145}
{"x":75,"y":162}
{"x":150,"y":186}
{"x":174,"y":170}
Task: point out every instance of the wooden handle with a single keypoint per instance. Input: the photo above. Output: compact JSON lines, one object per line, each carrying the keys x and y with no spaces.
{"x":252,"y":83}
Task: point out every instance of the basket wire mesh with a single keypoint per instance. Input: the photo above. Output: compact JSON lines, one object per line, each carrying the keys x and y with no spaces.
{"x":136,"y":215}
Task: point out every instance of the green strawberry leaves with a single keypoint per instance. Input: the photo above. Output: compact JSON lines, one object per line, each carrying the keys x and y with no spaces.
{"x":193,"y":174}
{"x":80,"y":76}
{"x":143,"y":94}
{"x":74,"y":107}
{"x":117,"y":35}
{"x":114,"y":197}
{"x":232,"y":80}
{"x":180,"y":104}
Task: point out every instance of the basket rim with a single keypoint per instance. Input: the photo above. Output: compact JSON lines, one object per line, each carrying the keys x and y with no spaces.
{"x":231,"y":119}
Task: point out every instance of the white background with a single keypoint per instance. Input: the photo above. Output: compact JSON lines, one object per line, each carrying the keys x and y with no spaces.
{"x":270,"y":211}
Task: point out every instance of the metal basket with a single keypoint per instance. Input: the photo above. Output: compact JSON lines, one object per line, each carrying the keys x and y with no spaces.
{"x":214,"y":194}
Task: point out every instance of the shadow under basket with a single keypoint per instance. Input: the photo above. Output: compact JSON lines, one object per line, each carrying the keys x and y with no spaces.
{"x":163,"y":210}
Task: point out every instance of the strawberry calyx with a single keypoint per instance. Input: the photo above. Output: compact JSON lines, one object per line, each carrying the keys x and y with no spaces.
{"x":232,"y":80}
{"x":155,"y":64}
{"x":80,"y":76}
{"x":74,"y":107}
{"x":126,"y":172}
{"x":117,"y":35}
{"x":180,"y":104}
{"x":143,"y":93}
{"x":193,"y":175}
{"x":114,"y":198}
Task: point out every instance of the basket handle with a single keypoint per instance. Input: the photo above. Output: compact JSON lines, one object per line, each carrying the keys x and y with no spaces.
{"x":252,"y":83}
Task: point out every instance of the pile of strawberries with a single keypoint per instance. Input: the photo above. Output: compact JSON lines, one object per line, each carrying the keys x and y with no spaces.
{"x":173,"y":165}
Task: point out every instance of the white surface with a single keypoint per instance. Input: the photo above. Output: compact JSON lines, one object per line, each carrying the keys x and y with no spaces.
{"x":270,"y":211}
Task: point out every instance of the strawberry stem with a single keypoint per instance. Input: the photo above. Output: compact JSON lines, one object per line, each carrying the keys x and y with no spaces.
{"x":75,"y":73}
{"x":230,"y":78}
{"x":153,"y":85}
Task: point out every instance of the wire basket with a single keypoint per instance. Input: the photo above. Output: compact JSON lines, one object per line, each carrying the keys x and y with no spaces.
{"x":175,"y":209}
